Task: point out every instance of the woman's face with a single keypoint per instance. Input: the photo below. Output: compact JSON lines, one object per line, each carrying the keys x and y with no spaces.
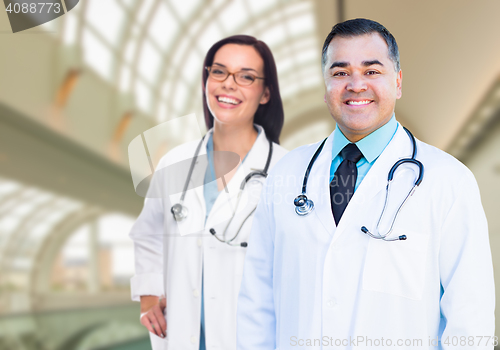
{"x":229,"y":102}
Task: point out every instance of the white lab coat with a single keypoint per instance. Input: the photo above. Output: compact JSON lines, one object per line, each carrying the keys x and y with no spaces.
{"x":308,"y":284}
{"x":169,"y":256}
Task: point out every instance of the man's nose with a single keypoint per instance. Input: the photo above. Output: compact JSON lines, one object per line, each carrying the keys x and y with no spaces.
{"x":357,"y":83}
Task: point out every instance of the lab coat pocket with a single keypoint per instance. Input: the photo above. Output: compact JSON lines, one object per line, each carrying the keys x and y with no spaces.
{"x":158,"y":343}
{"x":397,"y":267}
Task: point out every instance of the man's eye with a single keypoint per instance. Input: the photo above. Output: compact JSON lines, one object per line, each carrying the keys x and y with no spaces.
{"x":340,"y":74}
{"x":372,"y":72}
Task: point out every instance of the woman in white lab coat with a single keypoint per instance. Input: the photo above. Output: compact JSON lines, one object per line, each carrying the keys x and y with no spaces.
{"x":188,"y":272}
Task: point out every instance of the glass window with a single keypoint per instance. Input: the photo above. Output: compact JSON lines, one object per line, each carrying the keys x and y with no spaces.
{"x":306,"y":56}
{"x":181,"y":92}
{"x":97,"y":55}
{"x":233,"y":16}
{"x":143,"y":96}
{"x":130,"y":50}
{"x":259,"y":6}
{"x":192,"y":67}
{"x":106,"y":17}
{"x":274,"y":35}
{"x":164,"y":26}
{"x":125,"y":79}
{"x":301,"y":25}
{"x":144,"y":10}
{"x":211,"y":34}
{"x":184,"y":8}
{"x":149,"y":62}
{"x":128,"y":3}
{"x":70,"y":28}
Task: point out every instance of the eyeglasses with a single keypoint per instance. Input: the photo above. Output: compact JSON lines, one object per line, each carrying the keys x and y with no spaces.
{"x":242,"y":78}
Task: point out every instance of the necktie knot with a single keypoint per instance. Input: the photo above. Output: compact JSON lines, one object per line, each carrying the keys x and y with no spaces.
{"x":352,"y":153}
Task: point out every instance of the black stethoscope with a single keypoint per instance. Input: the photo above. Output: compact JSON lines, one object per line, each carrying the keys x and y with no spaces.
{"x":303,"y":205}
{"x":180,"y":212}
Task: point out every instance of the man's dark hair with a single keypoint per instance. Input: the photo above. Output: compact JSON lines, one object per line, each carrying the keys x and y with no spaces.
{"x":362,"y":26}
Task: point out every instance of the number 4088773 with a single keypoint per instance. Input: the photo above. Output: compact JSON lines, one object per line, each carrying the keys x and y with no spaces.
{"x":40,"y":7}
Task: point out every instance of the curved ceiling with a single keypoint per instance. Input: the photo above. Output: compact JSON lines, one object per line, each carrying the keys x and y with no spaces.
{"x":153,"y":50}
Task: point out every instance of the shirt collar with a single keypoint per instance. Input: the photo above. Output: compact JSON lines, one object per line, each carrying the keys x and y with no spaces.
{"x":371,"y":145}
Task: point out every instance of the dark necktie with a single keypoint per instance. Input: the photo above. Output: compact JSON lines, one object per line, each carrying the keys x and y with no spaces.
{"x":344,"y":180}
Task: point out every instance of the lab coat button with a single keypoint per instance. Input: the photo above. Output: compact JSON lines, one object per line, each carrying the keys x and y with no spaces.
{"x":193,"y":339}
{"x":199,"y":242}
{"x":331,"y":303}
{"x":196,"y":293}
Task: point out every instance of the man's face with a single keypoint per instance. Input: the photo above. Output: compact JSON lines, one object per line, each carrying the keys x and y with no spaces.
{"x":362,"y":85}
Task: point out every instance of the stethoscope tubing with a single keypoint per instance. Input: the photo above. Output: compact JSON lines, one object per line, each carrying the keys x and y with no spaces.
{"x":179,"y":211}
{"x":304,"y":205}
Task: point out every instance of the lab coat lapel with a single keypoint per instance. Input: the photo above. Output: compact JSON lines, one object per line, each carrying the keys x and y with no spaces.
{"x":199,"y":189}
{"x":255,"y":160}
{"x":376,"y":179}
{"x":318,"y":189}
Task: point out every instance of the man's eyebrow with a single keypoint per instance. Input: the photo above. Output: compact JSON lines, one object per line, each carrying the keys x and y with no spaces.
{"x":371,"y":63}
{"x":340,"y":64}
{"x":246,"y":69}
{"x":364,"y":63}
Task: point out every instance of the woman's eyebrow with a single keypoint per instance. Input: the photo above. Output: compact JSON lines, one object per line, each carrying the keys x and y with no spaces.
{"x":220,"y":64}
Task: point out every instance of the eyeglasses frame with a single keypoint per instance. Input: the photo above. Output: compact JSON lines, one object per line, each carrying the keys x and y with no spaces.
{"x":233,"y":74}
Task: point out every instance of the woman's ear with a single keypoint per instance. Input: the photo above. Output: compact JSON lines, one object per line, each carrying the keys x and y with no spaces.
{"x":266,"y":96}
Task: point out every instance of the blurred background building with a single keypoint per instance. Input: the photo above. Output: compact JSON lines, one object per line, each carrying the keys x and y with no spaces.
{"x":75,"y":91}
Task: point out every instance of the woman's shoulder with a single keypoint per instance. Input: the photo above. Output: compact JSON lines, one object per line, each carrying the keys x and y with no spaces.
{"x":278,"y":153}
{"x":279,"y":150}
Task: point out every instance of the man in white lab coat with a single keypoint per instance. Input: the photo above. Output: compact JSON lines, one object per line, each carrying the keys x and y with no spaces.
{"x":319,"y":281}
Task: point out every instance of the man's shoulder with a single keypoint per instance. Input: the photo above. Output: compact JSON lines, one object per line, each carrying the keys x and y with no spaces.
{"x":440,"y":164}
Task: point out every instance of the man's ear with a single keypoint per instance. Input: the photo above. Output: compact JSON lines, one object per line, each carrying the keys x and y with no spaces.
{"x":399,"y":82}
{"x":266,"y":96}
{"x":324,"y":97}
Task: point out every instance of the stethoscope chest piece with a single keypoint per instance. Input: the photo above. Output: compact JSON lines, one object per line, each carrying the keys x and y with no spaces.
{"x":303,"y":205}
{"x":179,"y":211}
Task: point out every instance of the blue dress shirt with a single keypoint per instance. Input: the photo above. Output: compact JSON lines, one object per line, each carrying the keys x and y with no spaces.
{"x":371,"y":146}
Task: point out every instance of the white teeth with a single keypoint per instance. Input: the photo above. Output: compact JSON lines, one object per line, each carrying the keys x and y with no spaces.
{"x":227,"y":100}
{"x":358,"y":103}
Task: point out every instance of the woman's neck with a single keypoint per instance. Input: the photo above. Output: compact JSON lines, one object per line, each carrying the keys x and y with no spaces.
{"x":238,"y":139}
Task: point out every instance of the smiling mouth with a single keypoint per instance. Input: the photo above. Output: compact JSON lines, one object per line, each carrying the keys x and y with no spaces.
{"x":228,"y":100}
{"x":358,"y":103}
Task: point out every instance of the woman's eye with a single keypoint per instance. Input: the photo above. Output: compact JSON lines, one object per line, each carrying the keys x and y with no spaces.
{"x":248,"y":77}
{"x":217,"y":71}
